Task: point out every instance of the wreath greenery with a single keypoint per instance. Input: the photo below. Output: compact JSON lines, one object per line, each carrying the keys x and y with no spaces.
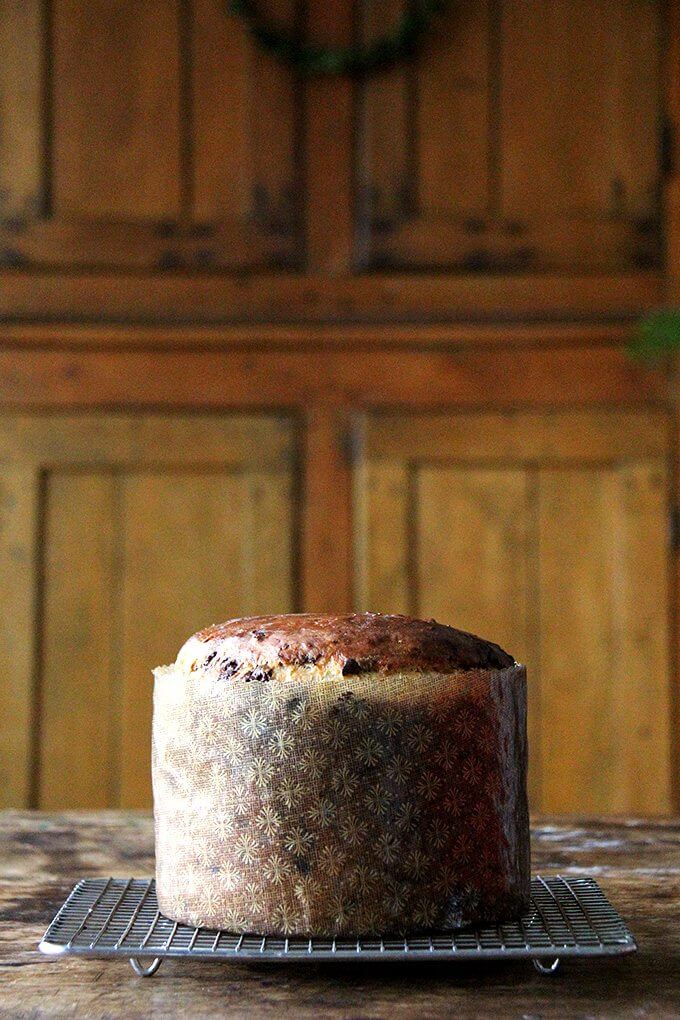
{"x":309,"y":59}
{"x":657,"y":334}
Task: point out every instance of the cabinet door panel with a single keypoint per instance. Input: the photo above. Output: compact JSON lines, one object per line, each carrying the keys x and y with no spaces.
{"x":116,"y":99}
{"x":19,"y":590}
{"x":266,"y":547}
{"x":21,"y":33}
{"x":464,"y":509}
{"x":524,"y":138}
{"x":383,"y":536}
{"x":244,"y":124}
{"x":604,"y":698}
{"x":152,"y":527}
{"x":453,"y":116}
{"x":548,"y":535}
{"x":429,"y":152}
{"x":580,"y":107}
{"x":77,"y":686}
{"x":144,"y":136}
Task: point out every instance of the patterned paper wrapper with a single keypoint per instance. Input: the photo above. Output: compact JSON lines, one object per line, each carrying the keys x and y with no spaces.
{"x":299,"y":804}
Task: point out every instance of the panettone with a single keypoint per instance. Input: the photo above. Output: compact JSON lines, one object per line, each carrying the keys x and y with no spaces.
{"x":336,"y":775}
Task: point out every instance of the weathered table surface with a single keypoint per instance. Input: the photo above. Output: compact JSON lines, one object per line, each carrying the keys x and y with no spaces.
{"x":41,"y":857}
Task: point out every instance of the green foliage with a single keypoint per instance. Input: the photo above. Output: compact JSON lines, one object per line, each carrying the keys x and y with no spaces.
{"x":658,"y":334}
{"x":308,"y":59}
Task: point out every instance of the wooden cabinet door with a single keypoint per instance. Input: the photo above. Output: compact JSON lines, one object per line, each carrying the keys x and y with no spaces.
{"x":149,"y":135}
{"x":525,"y":137}
{"x":121,"y":535}
{"x":549,"y":535}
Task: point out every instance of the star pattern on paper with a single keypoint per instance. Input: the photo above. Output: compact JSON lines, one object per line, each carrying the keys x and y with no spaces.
{"x":292,"y":807}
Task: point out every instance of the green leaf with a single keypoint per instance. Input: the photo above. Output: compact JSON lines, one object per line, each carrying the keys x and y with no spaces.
{"x":658,"y":334}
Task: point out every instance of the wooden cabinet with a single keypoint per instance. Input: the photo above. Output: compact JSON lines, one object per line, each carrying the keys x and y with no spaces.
{"x":275,"y":343}
{"x":526,"y":138}
{"x":158,"y":137}
{"x":120,"y":535}
{"x":549,"y":532}
{"x":148,"y":136}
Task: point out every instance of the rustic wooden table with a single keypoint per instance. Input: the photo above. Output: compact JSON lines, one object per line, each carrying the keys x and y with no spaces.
{"x":41,"y":856}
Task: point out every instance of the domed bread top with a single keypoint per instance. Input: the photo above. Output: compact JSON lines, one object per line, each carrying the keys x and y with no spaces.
{"x":357,"y":643}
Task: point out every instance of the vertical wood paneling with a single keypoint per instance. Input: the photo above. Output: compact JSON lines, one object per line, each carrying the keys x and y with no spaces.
{"x":671,"y":196}
{"x":382,"y":537}
{"x":635,"y":99}
{"x":183,"y":570}
{"x":77,"y":682}
{"x":640,"y":676}
{"x":116,"y":105}
{"x":326,"y":513}
{"x":578,"y":734}
{"x":267,"y":543}
{"x":472,"y":551}
{"x":329,"y":149}
{"x":603,"y":615}
{"x":18,"y":630}
{"x":522,"y":137}
{"x":276,"y":100}
{"x":426,"y":128}
{"x":21,"y":139}
{"x":385,"y":143}
{"x":222,"y":185}
{"x":580,"y":108}
{"x":243,"y":120}
{"x":554,"y":149}
{"x":453,"y":114}
{"x":671,"y":183}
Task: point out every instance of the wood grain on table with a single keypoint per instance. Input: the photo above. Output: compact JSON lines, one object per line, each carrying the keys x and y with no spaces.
{"x":637,"y":863}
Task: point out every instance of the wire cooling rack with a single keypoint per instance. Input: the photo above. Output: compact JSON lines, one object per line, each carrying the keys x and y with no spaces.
{"x":114,"y":917}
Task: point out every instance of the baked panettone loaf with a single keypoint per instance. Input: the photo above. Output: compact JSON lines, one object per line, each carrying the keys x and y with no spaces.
{"x":335,"y":775}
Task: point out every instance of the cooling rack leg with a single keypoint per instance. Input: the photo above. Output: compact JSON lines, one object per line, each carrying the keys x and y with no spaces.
{"x":547,"y":968}
{"x":142,"y":970}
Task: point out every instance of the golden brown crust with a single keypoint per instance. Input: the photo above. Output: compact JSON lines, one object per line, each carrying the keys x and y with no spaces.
{"x":361,"y":643}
